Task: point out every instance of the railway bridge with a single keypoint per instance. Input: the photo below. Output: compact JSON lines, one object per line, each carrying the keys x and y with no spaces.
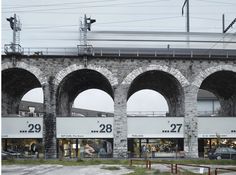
{"x":176,"y":73}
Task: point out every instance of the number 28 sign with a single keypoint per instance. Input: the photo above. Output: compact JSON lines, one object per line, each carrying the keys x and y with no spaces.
{"x":84,"y":127}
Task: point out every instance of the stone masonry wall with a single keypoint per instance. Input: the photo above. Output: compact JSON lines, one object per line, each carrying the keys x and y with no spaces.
{"x":120,"y":72}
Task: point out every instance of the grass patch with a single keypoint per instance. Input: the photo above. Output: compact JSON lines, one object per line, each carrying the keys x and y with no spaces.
{"x":143,"y":171}
{"x":186,"y":172}
{"x":137,"y":171}
{"x":64,"y":162}
{"x":112,"y":168}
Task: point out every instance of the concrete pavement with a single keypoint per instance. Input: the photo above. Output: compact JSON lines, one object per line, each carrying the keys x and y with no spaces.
{"x":94,"y":169}
{"x":61,"y":170}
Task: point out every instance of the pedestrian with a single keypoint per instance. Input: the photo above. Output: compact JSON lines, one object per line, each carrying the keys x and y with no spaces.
{"x":153,"y":149}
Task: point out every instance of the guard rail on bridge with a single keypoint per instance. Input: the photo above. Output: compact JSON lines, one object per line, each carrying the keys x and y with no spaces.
{"x":146,"y":44}
{"x":126,"y":52}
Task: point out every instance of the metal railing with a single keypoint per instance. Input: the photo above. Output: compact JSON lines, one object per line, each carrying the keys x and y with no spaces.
{"x":225,"y":170}
{"x":13,"y":49}
{"x":147,"y":43}
{"x":119,"y":52}
{"x":147,"y":113}
{"x":174,"y":168}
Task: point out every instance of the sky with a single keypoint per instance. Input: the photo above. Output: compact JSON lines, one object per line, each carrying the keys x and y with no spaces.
{"x":55,"y":23}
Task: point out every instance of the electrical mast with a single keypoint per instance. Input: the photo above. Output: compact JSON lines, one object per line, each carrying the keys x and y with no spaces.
{"x":14,"y":47}
{"x":186,"y":2}
{"x":85,"y":26}
{"x":224,"y":30}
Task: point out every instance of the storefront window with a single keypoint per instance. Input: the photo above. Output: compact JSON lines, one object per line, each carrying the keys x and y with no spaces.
{"x":154,"y":147}
{"x":82,"y":148}
{"x":23,"y":147}
{"x":205,"y":145}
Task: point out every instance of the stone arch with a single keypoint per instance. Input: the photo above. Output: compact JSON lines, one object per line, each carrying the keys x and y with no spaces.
{"x":32,"y":69}
{"x":71,"y":81}
{"x":220,"y":80}
{"x":17,"y":80}
{"x":159,"y":76}
{"x":205,"y":73}
{"x":105,"y":72}
{"x":172,"y":71}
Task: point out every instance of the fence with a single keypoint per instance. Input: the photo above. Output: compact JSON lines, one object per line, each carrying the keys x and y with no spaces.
{"x":146,"y":162}
{"x":174,"y":168}
{"x":224,"y":169}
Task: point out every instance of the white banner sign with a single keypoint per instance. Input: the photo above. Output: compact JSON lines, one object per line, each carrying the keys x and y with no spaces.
{"x":155,"y":127}
{"x":87,"y":127}
{"x":22,"y":127}
{"x":212,"y":127}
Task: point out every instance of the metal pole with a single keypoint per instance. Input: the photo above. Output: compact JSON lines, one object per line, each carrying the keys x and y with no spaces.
{"x":187,"y":22}
{"x":14,"y":35}
{"x":223,"y":23}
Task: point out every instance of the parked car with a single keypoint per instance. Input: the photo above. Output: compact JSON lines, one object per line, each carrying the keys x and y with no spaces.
{"x":222,"y":153}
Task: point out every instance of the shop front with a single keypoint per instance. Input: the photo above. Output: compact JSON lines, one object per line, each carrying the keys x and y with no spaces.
{"x":84,"y":137}
{"x":22,"y":136}
{"x":220,"y":133}
{"x":155,"y":137}
{"x":155,"y":148}
{"x":85,"y":148}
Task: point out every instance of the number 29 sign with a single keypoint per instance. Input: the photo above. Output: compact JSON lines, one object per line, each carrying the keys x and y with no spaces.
{"x":22,"y":127}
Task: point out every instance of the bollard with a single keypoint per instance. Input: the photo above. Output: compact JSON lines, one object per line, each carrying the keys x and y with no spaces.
{"x":147,"y":164}
{"x":150,"y":164}
{"x":175,"y":168}
{"x":216,"y":171}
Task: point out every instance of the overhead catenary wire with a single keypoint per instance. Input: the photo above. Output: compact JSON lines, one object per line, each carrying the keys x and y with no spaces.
{"x":57,"y":4}
{"x":115,"y":22}
{"x":91,"y":6}
{"x":138,"y":24}
{"x":217,"y":2}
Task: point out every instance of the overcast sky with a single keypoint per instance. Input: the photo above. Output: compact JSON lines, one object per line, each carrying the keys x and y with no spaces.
{"x":55,"y":23}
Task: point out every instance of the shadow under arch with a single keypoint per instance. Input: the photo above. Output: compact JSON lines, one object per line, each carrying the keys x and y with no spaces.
{"x":75,"y":83}
{"x":164,"y":83}
{"x":220,"y":80}
{"x":16,"y":82}
{"x":223,"y":85}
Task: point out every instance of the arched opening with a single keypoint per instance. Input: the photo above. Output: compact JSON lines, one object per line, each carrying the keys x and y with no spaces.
{"x":15,"y":84}
{"x":93,"y":103}
{"x":163,"y":83}
{"x":21,"y":133}
{"x":223,"y":85}
{"x":148,"y":132}
{"x":90,"y":130}
{"x":218,"y":93}
{"x":77,"y":82}
{"x":32,"y":103}
{"x":207,"y":104}
{"x":34,"y":95}
{"x":147,"y":103}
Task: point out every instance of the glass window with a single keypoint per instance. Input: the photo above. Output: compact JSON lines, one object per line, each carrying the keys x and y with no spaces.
{"x":24,"y":147}
{"x":72,"y":148}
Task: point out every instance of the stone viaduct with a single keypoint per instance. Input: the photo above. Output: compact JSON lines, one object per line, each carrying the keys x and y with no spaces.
{"x":62,"y":78}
